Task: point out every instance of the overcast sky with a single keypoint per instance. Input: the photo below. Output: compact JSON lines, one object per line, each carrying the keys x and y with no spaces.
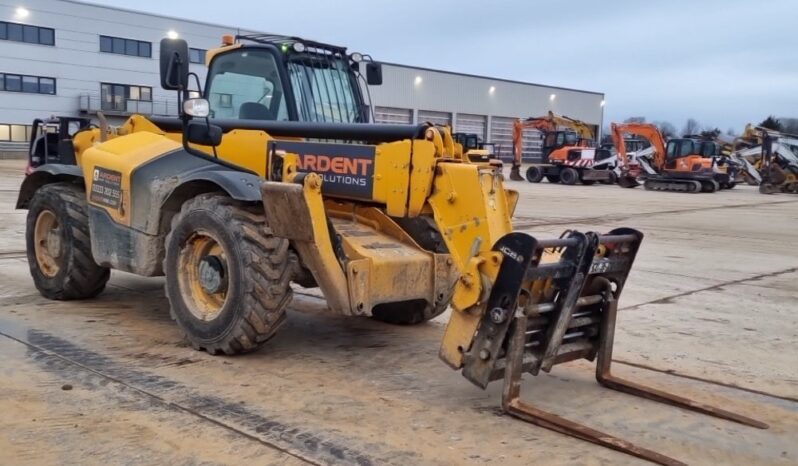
{"x":723,"y":62}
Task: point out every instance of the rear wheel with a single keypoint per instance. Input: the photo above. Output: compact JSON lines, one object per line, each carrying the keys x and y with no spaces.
{"x":553,"y":178}
{"x":569,"y":176}
{"x":59,"y":244}
{"x":227,"y":277}
{"x":612,"y":178}
{"x":534,"y":174}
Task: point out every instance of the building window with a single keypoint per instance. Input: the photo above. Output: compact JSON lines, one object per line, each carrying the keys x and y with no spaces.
{"x":26,"y":33}
{"x":130,"y":47}
{"x":116,"y":96}
{"x":29,"y":84}
{"x":197,"y":55}
{"x":15,"y":133}
{"x":226,"y":100}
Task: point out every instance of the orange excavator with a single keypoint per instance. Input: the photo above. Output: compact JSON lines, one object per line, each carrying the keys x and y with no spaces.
{"x":571,"y":155}
{"x":681,"y":164}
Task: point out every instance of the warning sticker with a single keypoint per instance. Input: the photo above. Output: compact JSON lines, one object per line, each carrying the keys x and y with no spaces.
{"x":106,"y":187}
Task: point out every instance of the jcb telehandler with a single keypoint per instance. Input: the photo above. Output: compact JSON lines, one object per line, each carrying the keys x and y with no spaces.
{"x":239,"y":197}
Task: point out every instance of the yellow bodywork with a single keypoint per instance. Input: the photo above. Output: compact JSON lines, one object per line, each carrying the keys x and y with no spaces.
{"x":467,"y":203}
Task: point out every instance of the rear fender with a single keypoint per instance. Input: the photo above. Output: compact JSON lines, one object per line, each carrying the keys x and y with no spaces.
{"x":44,"y":175}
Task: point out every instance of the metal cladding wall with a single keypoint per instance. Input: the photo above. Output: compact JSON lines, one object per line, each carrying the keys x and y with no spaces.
{"x":460,"y":93}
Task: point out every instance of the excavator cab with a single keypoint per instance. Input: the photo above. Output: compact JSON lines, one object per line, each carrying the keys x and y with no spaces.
{"x":558,"y":139}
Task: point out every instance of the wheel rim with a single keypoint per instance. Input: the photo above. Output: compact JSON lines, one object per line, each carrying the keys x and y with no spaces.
{"x":202,"y":275}
{"x":48,"y":243}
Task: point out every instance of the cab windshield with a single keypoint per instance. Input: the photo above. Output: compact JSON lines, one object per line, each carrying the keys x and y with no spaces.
{"x":245,"y":84}
{"x":323,"y":87}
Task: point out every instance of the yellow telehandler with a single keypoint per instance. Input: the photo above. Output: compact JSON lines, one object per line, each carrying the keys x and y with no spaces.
{"x":274,"y":176}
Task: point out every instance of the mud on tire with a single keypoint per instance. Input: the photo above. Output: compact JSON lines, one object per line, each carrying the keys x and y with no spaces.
{"x":255,"y":276}
{"x":61,"y":262}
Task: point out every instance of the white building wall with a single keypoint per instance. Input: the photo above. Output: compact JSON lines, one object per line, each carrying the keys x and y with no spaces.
{"x":76,"y":61}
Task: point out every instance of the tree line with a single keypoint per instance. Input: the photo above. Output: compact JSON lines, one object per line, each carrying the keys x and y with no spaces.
{"x":693,"y":127}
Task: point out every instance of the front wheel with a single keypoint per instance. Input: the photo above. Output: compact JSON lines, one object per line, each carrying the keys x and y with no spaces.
{"x":59,"y":244}
{"x":227,"y":277}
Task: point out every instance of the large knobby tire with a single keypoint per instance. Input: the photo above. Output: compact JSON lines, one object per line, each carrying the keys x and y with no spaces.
{"x":569,"y":176}
{"x":227,"y":277}
{"x":59,"y":244}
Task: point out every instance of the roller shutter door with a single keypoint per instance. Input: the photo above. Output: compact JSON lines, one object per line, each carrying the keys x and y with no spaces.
{"x":467,"y":123}
{"x":438,"y":118}
{"x":393,"y":115}
{"x":501,"y":134}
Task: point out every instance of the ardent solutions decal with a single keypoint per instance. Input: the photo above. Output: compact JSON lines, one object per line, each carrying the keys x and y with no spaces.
{"x":347,"y":170}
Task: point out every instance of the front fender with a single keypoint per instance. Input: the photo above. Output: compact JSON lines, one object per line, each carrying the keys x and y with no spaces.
{"x":240,"y":186}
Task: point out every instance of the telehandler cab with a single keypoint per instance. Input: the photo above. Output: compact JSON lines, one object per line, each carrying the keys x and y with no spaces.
{"x":274,"y":176}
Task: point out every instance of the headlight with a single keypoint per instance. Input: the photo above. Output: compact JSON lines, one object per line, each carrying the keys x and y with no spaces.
{"x":196,"y":107}
{"x":356,"y":57}
{"x":299,"y":47}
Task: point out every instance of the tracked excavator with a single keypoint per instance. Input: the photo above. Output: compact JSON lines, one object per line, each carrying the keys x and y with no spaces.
{"x":571,"y":156}
{"x":273,"y":176}
{"x":681,"y":165}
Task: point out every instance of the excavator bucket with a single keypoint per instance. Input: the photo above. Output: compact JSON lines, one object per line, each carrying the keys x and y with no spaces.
{"x":556,"y":301}
{"x":515,"y":173}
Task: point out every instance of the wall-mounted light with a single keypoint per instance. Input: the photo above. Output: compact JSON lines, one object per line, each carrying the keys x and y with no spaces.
{"x":552,"y":97}
{"x":492,"y":90}
{"x":22,"y":12}
{"x":417,"y":81}
{"x":172,"y":34}
{"x":603,"y":102}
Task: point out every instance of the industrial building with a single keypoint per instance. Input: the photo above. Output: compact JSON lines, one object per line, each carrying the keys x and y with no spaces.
{"x":62,"y":57}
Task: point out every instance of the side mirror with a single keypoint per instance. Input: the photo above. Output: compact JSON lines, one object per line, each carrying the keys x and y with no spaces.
{"x":374,"y":74}
{"x":174,"y":64}
{"x":200,"y":133}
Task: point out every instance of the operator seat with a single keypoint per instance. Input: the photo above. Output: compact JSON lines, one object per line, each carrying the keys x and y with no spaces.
{"x":254,"y":111}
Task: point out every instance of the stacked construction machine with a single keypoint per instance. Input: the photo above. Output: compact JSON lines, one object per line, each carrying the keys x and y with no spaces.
{"x":570,"y":155}
{"x":682,"y":164}
{"x":471,"y":146}
{"x":239,"y":197}
{"x":778,"y":162}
